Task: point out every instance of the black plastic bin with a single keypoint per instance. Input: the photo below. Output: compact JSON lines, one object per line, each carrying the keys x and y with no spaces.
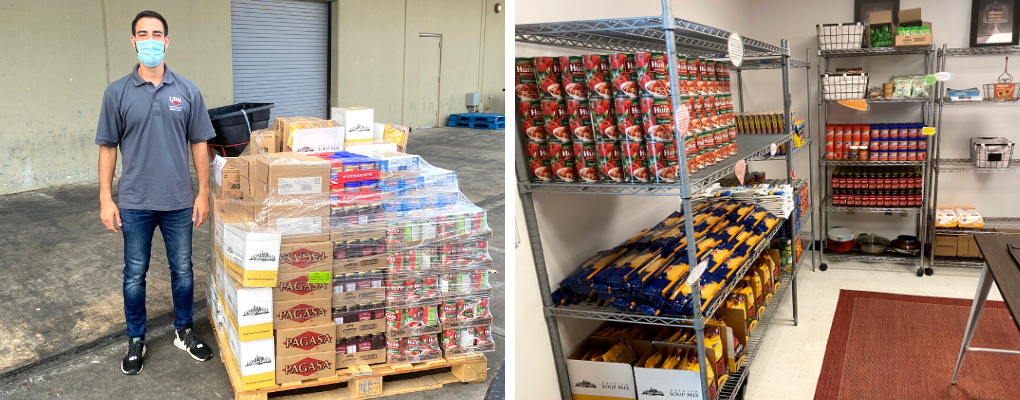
{"x":232,"y":131}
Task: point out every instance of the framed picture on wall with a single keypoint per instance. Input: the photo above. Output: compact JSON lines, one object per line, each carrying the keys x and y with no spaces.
{"x":994,"y":23}
{"x":863,"y":7}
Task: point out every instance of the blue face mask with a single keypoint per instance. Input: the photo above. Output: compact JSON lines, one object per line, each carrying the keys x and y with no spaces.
{"x":150,"y":52}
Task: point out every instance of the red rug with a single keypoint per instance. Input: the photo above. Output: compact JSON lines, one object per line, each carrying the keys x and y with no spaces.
{"x":890,"y":346}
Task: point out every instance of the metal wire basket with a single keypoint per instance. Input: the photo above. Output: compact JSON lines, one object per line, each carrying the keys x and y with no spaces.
{"x":991,"y":152}
{"x":844,"y":86}
{"x":848,"y":36}
{"x":1005,"y":89}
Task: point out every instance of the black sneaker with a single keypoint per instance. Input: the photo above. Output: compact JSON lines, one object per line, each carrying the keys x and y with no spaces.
{"x":188,"y":341}
{"x":132,"y":362}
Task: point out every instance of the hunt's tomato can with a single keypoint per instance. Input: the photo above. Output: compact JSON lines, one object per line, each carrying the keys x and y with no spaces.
{"x":731,"y":131}
{"x":657,"y":118}
{"x":629,"y":118}
{"x":557,"y":122}
{"x":596,"y":71}
{"x":653,"y":74}
{"x":538,"y":161}
{"x":579,"y":114}
{"x":624,"y":74}
{"x":548,"y":75}
{"x":706,"y":148}
{"x":586,"y":161}
{"x":691,"y":152}
{"x":525,"y":85}
{"x":609,"y":160}
{"x":635,"y":161}
{"x":662,"y":161}
{"x":682,"y":76}
{"x":603,"y":119}
{"x":722,"y":142}
{"x":532,"y":121}
{"x":561,"y":160}
{"x":573,"y":83}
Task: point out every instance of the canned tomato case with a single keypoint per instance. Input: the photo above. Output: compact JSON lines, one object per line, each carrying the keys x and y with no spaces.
{"x":538,"y":161}
{"x":624,"y":74}
{"x":525,"y":85}
{"x":596,"y":71}
{"x":579,"y":113}
{"x":662,"y":161}
{"x":657,"y":118}
{"x":561,"y":160}
{"x":653,"y":74}
{"x":604,"y":119}
{"x":532,"y":122}
{"x":557,"y":122}
{"x":548,"y":75}
{"x":629,"y":119}
{"x":635,"y":161}
{"x":609,"y":161}
{"x":586,"y":161}
{"x":573,"y":83}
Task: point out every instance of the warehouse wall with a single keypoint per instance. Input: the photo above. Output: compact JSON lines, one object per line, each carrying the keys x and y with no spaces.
{"x":58,"y":58}
{"x":493,"y":58}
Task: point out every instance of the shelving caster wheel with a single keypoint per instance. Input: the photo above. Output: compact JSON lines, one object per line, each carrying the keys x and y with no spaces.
{"x":823,"y":267}
{"x":920,"y":272}
{"x":928,"y":271}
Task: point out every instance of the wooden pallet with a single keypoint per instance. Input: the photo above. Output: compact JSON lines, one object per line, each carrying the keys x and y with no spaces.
{"x":365,"y":381}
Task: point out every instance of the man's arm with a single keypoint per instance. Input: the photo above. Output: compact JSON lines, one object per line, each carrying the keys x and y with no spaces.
{"x":200,"y":153}
{"x":108,"y":210}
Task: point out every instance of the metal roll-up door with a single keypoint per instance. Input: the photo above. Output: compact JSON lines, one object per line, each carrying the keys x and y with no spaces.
{"x":281,"y":55}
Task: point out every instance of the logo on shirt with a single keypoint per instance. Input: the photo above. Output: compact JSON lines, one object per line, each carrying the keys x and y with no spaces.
{"x":175,"y":104}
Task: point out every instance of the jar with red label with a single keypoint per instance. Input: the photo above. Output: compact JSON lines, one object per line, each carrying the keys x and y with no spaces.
{"x":662,"y":160}
{"x":635,"y":162}
{"x":556,"y":119}
{"x":525,"y":85}
{"x":604,"y":119}
{"x":579,"y":112}
{"x":561,"y":160}
{"x":574,"y":82}
{"x":609,"y":159}
{"x":653,"y":74}
{"x":596,"y":71}
{"x":548,"y":75}
{"x":838,"y":142}
{"x":623,"y":72}
{"x":532,"y":122}
{"x":538,"y":161}
{"x":629,"y":118}
{"x":657,"y":118}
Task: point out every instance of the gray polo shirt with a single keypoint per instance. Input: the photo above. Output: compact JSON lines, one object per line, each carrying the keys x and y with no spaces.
{"x":153,"y":125}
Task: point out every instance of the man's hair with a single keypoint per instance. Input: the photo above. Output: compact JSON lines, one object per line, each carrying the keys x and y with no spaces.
{"x":150,"y":14}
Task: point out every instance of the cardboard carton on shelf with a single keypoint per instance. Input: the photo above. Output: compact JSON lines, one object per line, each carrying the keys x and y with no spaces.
{"x":248,"y":255}
{"x":361,"y":264}
{"x":306,"y":366}
{"x":946,"y":245}
{"x":312,"y":339}
{"x":878,"y":20}
{"x":290,"y":174}
{"x":604,"y":379}
{"x":657,"y":381}
{"x":909,"y":18}
{"x":967,"y":247}
{"x":301,"y":313}
{"x":360,"y":358}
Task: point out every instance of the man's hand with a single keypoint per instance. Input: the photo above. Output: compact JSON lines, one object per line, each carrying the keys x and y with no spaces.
{"x":110,"y":215}
{"x":201,"y":210}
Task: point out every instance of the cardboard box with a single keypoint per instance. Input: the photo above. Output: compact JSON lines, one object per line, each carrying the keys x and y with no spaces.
{"x":733,"y":351}
{"x":912,"y":17}
{"x":655,"y":382}
{"x":946,"y":245}
{"x":291,"y":174}
{"x":255,"y":360}
{"x":306,"y":366}
{"x":295,"y":222}
{"x":287,"y":125}
{"x":363,"y":264}
{"x":317,"y":140}
{"x":358,"y":296}
{"x":600,"y":379}
{"x":250,"y":310}
{"x":361,"y":358}
{"x":250,"y":256}
{"x":369,"y":231}
{"x":312,"y":339}
{"x":876,"y":19}
{"x":227,"y":177}
{"x":303,"y":286}
{"x":374,"y":326}
{"x":266,"y":141}
{"x":967,"y":247}
{"x":301,"y":313}
{"x":306,"y":257}
{"x":357,"y":122}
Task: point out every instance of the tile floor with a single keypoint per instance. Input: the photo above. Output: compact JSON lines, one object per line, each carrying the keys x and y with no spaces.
{"x":790,"y":360}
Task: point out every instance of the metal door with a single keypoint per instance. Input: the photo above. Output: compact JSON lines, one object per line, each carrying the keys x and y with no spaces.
{"x":421,"y":108}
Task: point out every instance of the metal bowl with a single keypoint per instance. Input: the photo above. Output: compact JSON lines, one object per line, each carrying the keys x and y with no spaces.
{"x":872,"y":244}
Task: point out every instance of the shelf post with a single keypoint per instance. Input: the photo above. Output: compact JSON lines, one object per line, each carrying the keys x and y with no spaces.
{"x":811,"y":159}
{"x":740,"y":91}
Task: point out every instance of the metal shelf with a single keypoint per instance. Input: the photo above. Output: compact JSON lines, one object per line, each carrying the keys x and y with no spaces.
{"x":878,"y":51}
{"x":891,"y":100}
{"x":640,"y":34}
{"x":977,"y":51}
{"x":782,"y":157}
{"x":588,"y":311}
{"x":981,"y":102}
{"x":857,"y":255}
{"x":952,"y":261}
{"x":966,"y":165}
{"x":827,"y":206}
{"x":774,"y":63}
{"x":749,"y":148}
{"x":1007,"y":225}
{"x":871,"y":163}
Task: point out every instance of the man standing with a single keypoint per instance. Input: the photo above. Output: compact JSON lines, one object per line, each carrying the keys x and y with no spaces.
{"x":154,"y":115}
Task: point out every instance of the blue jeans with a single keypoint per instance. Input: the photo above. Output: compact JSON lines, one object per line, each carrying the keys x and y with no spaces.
{"x":138,"y":227}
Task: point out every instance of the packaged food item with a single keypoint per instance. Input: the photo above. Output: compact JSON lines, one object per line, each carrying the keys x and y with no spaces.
{"x":579,"y":114}
{"x":624,"y":74}
{"x":903,"y":86}
{"x":525,"y":85}
{"x":604,"y":119}
{"x":968,"y":217}
{"x":397,"y":135}
{"x":532,"y":121}
{"x":557,"y":121}
{"x":548,"y":75}
{"x":945,"y":217}
{"x":573,"y":83}
{"x":596,"y":70}
{"x":918,"y":86}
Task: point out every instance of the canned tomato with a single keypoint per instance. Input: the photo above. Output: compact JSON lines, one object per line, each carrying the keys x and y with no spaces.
{"x":624,"y":74}
{"x":557,"y":122}
{"x":628,"y":119}
{"x":579,"y":114}
{"x":652,"y":73}
{"x":532,"y":122}
{"x":657,"y":117}
{"x":538,"y":161}
{"x":691,"y":152}
{"x":683,"y":76}
{"x":635,"y":161}
{"x":525,"y":85}
{"x":662,"y":161}
{"x":609,"y":161}
{"x":706,"y":148}
{"x":731,"y":131}
{"x":604,"y":119}
{"x":586,"y":161}
{"x":722,"y":141}
{"x":393,"y":347}
{"x":596,"y":71}
{"x":548,"y":75}
{"x":574,"y":84}
{"x":561,"y":160}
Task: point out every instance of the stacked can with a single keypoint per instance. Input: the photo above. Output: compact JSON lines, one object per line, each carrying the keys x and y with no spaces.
{"x":603,"y":117}
{"x":875,"y":142}
{"x":573,"y":82}
{"x":661,"y":145}
{"x":555,"y":119}
{"x":627,"y":108}
{"x":535,"y":140}
{"x":596,"y":72}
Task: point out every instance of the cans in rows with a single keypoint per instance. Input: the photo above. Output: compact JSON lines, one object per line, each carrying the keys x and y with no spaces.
{"x":596,"y":71}
{"x":463,"y":338}
{"x":629,"y":119}
{"x":532,"y":120}
{"x":579,"y":115}
{"x":573,"y":82}
{"x":464,"y":281}
{"x":525,"y":85}
{"x":603,"y":118}
{"x":548,"y":75}
{"x":412,"y":288}
{"x":562,"y":161}
{"x":609,"y":161}
{"x":557,"y":121}
{"x":411,"y":317}
{"x":623,"y":72}
{"x":412,"y":346}
{"x":634,"y":161}
{"x":539,"y":161}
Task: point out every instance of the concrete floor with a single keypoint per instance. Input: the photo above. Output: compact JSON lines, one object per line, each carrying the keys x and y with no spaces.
{"x":63,"y":328}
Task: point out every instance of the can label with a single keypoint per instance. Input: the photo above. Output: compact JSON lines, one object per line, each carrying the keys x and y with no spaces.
{"x":624,"y":74}
{"x":548,"y":75}
{"x":653,"y":74}
{"x":683,"y":76}
{"x":525,"y":85}
{"x":635,"y":161}
{"x":557,"y":122}
{"x":596,"y":71}
{"x":691,"y":152}
{"x":609,"y":161}
{"x":662,"y":160}
{"x":604,"y":119}
{"x":657,"y":115}
{"x":586,"y":161}
{"x":574,"y":84}
{"x":561,"y":160}
{"x":538,"y":161}
{"x":532,"y":122}
{"x":579,"y":113}
{"x":629,"y":118}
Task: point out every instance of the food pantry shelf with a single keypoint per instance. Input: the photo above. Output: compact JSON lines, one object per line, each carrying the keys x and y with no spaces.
{"x":967,"y":165}
{"x":775,"y":63}
{"x":871,"y":163}
{"x":828,"y":206}
{"x":640,"y":34}
{"x":877,"y":51}
{"x":976,"y":51}
{"x":749,"y":148}
{"x":951,"y":261}
{"x":782,"y":157}
{"x":1005,"y":225}
{"x":980,"y":102}
{"x":856,"y":255}
{"x":588,"y":311}
{"x":890,"y":100}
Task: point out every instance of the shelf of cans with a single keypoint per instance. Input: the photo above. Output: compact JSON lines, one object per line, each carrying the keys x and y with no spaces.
{"x":764,"y":122}
{"x":608,"y":118}
{"x":892,"y":186}
{"x":875,"y":142}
